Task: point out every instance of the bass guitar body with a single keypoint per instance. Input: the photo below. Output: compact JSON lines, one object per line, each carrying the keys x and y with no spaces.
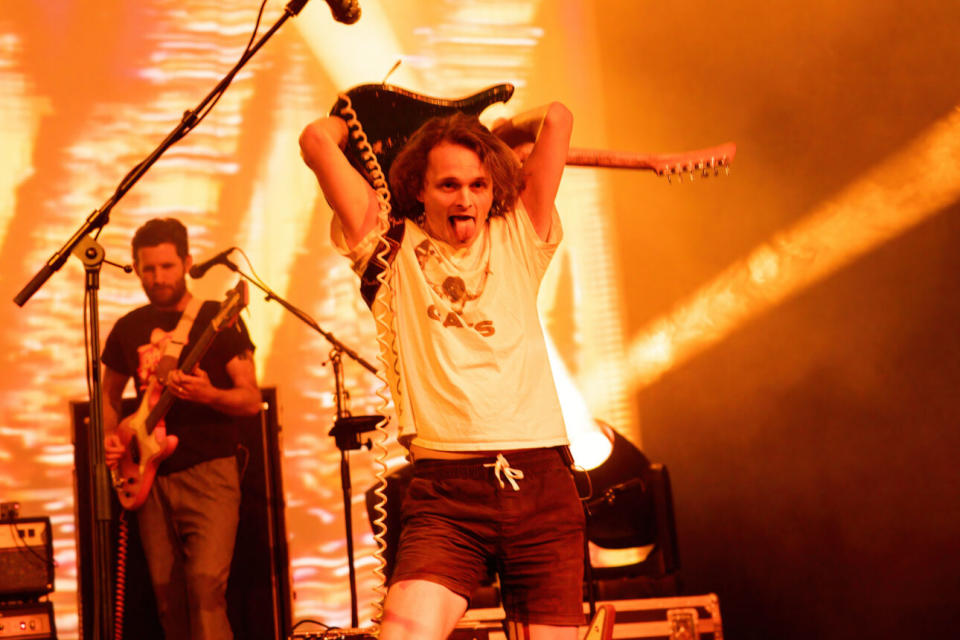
{"x":145,"y":450}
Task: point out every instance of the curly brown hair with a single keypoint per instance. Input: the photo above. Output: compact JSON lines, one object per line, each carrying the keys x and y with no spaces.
{"x":408,"y":171}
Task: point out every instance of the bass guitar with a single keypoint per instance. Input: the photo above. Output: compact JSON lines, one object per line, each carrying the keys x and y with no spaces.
{"x":388,"y":115}
{"x":143,"y":433}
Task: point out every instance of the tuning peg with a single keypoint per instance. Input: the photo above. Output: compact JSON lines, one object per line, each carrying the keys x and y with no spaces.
{"x":712,"y":164}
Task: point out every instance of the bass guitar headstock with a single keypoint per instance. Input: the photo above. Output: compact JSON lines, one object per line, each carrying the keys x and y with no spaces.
{"x":237,"y":298}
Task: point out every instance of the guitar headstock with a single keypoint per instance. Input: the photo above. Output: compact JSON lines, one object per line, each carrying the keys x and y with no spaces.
{"x":237,"y":298}
{"x":702,"y":162}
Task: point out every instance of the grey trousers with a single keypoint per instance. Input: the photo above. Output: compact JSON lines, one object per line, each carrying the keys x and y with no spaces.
{"x":188,"y":527}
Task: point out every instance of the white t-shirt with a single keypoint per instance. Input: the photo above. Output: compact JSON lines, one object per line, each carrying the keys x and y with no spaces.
{"x":472,"y":364}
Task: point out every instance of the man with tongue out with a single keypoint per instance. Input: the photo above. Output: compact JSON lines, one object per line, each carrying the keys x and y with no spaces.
{"x":451,"y":275}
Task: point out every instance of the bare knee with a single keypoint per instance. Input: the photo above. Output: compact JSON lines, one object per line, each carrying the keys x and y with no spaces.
{"x":421,"y":610}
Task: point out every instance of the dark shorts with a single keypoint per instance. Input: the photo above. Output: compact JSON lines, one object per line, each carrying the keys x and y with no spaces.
{"x":458,"y":521}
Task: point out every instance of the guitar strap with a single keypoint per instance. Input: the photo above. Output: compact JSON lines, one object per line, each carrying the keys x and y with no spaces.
{"x":178,"y":340}
{"x":369,"y":279}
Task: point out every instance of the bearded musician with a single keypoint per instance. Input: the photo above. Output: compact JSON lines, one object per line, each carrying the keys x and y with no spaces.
{"x":188,"y":523}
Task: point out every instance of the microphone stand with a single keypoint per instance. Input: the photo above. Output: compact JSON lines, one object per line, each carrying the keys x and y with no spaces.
{"x":346,"y":428}
{"x":92,"y":255}
{"x":81,"y":242}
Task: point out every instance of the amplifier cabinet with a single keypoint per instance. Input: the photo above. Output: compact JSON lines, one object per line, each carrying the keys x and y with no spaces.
{"x":675,"y":618}
{"x":33,"y":620}
{"x":26,"y":559}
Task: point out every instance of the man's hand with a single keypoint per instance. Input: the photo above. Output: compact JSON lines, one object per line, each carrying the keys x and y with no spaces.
{"x":195,"y":387}
{"x":513,"y":134}
{"x":113,"y":450}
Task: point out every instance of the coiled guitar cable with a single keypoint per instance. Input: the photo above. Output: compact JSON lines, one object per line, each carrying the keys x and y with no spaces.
{"x":121,"y":584}
{"x":384,"y":318}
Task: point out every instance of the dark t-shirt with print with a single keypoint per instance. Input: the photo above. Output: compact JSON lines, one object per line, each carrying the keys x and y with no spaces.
{"x":133,"y":348}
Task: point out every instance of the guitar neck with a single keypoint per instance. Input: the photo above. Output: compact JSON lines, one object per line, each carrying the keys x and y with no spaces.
{"x":193,"y":358}
{"x":577,"y":157}
{"x":711,"y":158}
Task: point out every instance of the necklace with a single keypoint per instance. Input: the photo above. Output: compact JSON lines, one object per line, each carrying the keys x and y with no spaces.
{"x":446,"y":279}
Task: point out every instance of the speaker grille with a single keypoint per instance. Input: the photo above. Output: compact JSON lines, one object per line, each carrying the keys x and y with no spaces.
{"x":26,"y":558}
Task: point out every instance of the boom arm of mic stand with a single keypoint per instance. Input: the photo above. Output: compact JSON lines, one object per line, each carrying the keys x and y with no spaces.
{"x":101,"y":216}
{"x":306,"y":319}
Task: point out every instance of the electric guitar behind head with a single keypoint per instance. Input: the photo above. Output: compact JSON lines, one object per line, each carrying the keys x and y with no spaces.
{"x":389,"y":115}
{"x":144,"y":433}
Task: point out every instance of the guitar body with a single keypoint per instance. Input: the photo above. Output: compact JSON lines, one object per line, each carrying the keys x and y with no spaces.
{"x":389,"y":115}
{"x":601,"y":627}
{"x":144,"y":451}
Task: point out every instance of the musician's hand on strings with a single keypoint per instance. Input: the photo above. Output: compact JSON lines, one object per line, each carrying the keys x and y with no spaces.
{"x":195,"y":387}
{"x":113,"y":450}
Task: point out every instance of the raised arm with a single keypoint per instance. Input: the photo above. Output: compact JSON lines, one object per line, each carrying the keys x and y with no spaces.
{"x":549,"y":127}
{"x":350,"y":196}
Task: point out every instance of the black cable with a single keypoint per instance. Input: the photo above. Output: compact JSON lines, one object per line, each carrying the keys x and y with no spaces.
{"x":326,"y":628}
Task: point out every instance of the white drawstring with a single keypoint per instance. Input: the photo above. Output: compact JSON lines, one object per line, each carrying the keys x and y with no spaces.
{"x":502,"y":468}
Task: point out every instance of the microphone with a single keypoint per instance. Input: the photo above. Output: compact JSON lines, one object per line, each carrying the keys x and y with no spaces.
{"x":197,"y":270}
{"x":345,"y":11}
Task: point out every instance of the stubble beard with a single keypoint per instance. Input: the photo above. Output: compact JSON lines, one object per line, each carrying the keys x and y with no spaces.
{"x":167,"y":296}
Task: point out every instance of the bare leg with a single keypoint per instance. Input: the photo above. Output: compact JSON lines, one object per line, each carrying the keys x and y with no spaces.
{"x":420,"y":610}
